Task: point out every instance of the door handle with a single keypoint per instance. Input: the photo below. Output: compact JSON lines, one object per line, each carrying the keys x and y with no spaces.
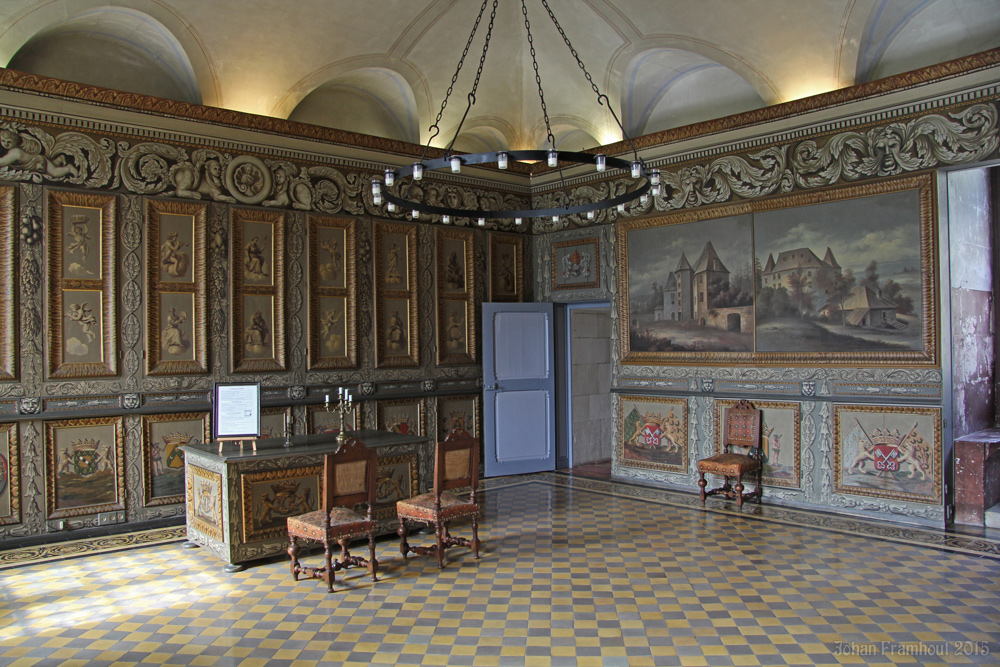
{"x":493,"y":387}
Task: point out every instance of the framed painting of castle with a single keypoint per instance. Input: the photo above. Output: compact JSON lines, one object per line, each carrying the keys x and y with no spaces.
{"x":891,"y":452}
{"x":843,"y":276}
{"x":652,"y":433}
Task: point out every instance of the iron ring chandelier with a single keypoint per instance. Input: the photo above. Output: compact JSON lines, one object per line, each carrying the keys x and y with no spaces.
{"x":501,"y":158}
{"x":454,"y":161}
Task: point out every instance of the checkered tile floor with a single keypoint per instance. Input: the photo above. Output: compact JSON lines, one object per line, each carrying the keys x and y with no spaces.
{"x":575,"y":572}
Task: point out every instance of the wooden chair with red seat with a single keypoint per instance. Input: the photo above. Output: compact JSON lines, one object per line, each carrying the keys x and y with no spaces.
{"x":348,"y":480}
{"x":742,"y":428}
{"x":456,"y":465}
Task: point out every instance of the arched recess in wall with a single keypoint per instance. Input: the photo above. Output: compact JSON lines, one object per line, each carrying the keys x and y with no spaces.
{"x":663,"y":88}
{"x":371,"y":100}
{"x":571,"y":134}
{"x":112,"y":47}
{"x":902,"y":35}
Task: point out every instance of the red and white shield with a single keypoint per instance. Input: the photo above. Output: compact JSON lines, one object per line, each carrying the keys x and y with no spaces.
{"x":887,"y":458}
{"x":652,"y":433}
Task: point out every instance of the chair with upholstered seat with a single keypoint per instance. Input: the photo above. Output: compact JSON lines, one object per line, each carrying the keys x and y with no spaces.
{"x":742,"y":428}
{"x":456,"y":465}
{"x":348,"y":480}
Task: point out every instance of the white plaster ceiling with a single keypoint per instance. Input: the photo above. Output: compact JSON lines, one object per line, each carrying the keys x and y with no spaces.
{"x":382,"y":67}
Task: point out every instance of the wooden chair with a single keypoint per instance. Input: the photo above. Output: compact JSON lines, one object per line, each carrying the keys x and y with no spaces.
{"x":742,"y":424}
{"x":456,"y":465}
{"x":348,"y":479}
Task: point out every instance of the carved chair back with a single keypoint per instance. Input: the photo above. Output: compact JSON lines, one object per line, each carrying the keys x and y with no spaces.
{"x":742,"y":424}
{"x":349,"y":476}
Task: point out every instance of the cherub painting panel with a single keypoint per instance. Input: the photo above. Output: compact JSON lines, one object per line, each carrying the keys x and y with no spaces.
{"x":81,"y":243}
{"x":395,"y":259}
{"x":888,"y":452}
{"x":452,"y":265}
{"x":80,"y":316}
{"x":83,"y":326}
{"x":258,"y":326}
{"x":506,"y":270}
{"x":653,"y":433}
{"x":257,"y":253}
{"x":176,"y":248}
{"x":395,"y":335}
{"x":177,"y":335}
{"x":331,"y":261}
{"x":332,"y":329}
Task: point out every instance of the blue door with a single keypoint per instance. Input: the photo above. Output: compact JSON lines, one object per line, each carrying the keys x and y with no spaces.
{"x":518,"y":388}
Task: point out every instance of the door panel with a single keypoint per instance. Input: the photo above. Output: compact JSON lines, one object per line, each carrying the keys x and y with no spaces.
{"x":519,"y":388}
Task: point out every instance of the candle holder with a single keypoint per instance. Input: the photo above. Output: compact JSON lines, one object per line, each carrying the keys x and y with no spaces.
{"x":288,"y":431}
{"x":343,"y":406}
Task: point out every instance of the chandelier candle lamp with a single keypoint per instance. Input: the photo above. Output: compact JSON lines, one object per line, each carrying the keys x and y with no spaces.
{"x":645,"y":181}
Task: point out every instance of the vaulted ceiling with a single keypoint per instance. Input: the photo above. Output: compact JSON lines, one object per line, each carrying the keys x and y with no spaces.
{"x":383,"y":67}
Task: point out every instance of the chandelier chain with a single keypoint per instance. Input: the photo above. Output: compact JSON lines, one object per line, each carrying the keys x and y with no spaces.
{"x":461,"y":61}
{"x":572,"y":50}
{"x":538,"y":77}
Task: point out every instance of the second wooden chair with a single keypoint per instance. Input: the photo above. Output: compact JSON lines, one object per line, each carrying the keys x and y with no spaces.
{"x":456,"y":465}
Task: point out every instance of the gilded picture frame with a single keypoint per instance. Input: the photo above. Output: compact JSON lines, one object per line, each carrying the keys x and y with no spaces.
{"x":276,"y":421}
{"x":85,"y":466}
{"x":333,"y":339}
{"x":204,"y":502}
{"x":459,"y":411}
{"x":506,"y":267}
{"x":162,"y":459}
{"x":176,"y":288}
{"x":780,"y":439}
{"x":258,"y":291}
{"x":322,"y":420}
{"x":456,"y":313}
{"x":271,"y":496}
{"x":81,"y":313}
{"x":576,"y":264}
{"x":8,"y":306}
{"x":10,"y":475}
{"x":792,"y":280}
{"x":652,"y":433}
{"x":403,"y":415}
{"x":397,"y":478}
{"x":395,"y":266}
{"x":888,"y":451}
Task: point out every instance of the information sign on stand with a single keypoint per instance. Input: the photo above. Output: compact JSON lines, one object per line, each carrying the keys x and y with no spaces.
{"x":237,"y":411}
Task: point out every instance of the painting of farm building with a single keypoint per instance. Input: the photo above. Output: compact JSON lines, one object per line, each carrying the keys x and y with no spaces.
{"x":862,"y":296}
{"x":679,"y":305}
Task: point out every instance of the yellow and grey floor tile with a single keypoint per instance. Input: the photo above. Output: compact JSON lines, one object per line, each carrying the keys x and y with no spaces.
{"x":575,"y":572}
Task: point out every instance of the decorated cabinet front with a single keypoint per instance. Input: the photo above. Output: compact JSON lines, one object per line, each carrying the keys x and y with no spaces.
{"x":239,"y":496}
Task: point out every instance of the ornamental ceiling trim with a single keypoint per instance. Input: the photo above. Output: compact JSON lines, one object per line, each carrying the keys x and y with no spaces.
{"x":50,"y":87}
